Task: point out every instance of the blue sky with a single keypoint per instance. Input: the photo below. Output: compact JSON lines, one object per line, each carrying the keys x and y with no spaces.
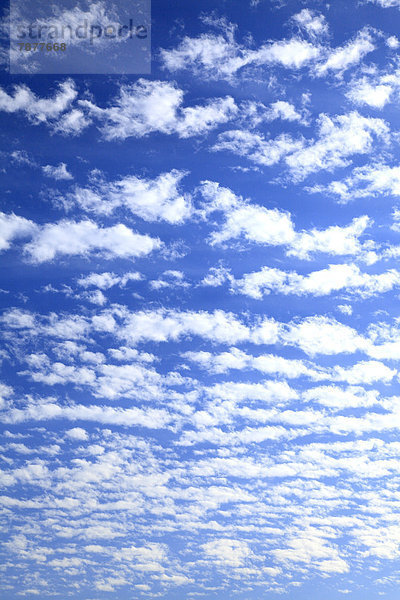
{"x":199,"y":294}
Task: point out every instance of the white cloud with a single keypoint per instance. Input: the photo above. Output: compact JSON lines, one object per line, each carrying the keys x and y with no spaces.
{"x":334,"y":240}
{"x":255,"y":147}
{"x":39,"y":110}
{"x":311,"y":547}
{"x":105,"y":281}
{"x":164,"y":325}
{"x":314,"y":335}
{"x":386,"y":3}
{"x":285,"y":111}
{"x":105,"y":380}
{"x":350,"y":54}
{"x":72,"y":123}
{"x":95,"y":297}
{"x":346,"y":277}
{"x":217,"y":276}
{"x":16,"y":318}
{"x":69,"y":238}
{"x":339,"y":138}
{"x":265,"y":363}
{"x":365,"y":372}
{"x":378,"y":87}
{"x":292,"y":54}
{"x":78,"y":434}
{"x":313,"y":24}
{"x":345,"y":309}
{"x":221,"y":57}
{"x":266,"y":391}
{"x":156,"y":106}
{"x":156,"y":199}
{"x":60,"y":172}
{"x":256,"y":223}
{"x":254,"y":113}
{"x":150,"y":418}
{"x":275,"y":227}
{"x":363,"y":91}
{"x":335,"y":397}
{"x":225,"y":551}
{"x":321,"y":335}
{"x":364,"y":182}
{"x":170,"y":279}
{"x":13,"y":227}
{"x":5,"y":392}
{"x":21,"y":157}
{"x":392,"y":41}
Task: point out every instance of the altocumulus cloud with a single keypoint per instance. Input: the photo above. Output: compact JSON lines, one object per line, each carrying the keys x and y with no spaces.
{"x":199,"y":368}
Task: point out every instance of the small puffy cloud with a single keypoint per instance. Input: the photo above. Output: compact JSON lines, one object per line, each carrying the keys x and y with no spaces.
{"x":13,"y":227}
{"x":345,"y":309}
{"x":339,"y":138}
{"x":334,"y":240}
{"x":59,"y":172}
{"x":161,"y":326}
{"x":69,"y":238}
{"x":392,"y":42}
{"x":266,"y":391}
{"x":221,"y":57}
{"x":346,"y":277}
{"x":285,"y":111}
{"x":363,"y":91}
{"x":258,"y":224}
{"x":312,"y":548}
{"x":105,"y":281}
{"x":156,"y":106}
{"x":227,"y":552}
{"x":292,"y":54}
{"x":396,"y":220}
{"x":274,"y":227}
{"x":149,"y":418}
{"x":95,"y":297}
{"x":365,"y":372}
{"x":15,"y":318}
{"x":321,"y":335}
{"x":21,"y":157}
{"x":336,"y":397}
{"x":313,"y":24}
{"x":350,"y":54}
{"x":217,"y":276}
{"x":385,"y":3}
{"x":370,"y":180}
{"x":252,"y":113}
{"x":253,"y":222}
{"x":265,"y":363}
{"x":377,"y":88}
{"x":72,"y":123}
{"x":77,"y":434}
{"x":156,"y":199}
{"x":39,"y":110}
{"x":5,"y":392}
{"x":169,"y":279}
{"x":256,"y":147}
